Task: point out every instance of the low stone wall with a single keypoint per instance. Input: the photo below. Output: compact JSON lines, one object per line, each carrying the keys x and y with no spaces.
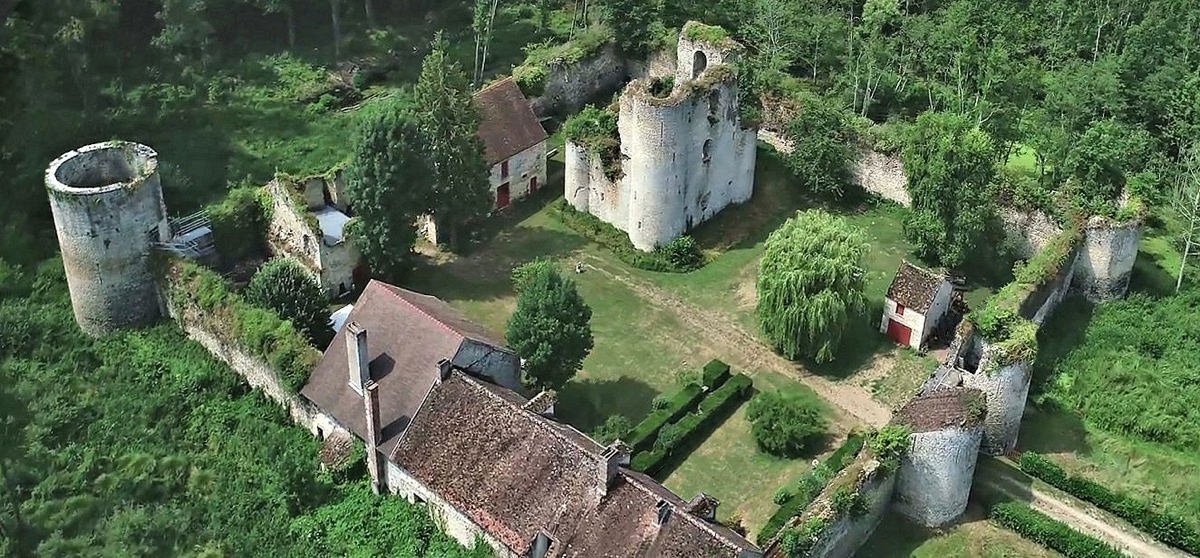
{"x":569,"y":88}
{"x":882,"y":174}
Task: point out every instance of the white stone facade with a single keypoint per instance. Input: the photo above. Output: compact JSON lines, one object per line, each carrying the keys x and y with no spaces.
{"x":523,"y":171}
{"x":935,"y":475}
{"x":1106,"y":259}
{"x":108,"y":210}
{"x":684,"y":157}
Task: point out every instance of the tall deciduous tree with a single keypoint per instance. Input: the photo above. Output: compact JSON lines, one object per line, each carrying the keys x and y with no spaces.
{"x":388,"y":183}
{"x":1187,"y":203}
{"x":450,"y":126}
{"x":951,"y":165}
{"x":551,"y":328}
{"x":481,"y":24}
{"x":634,"y":22}
{"x":284,"y":286}
{"x":821,"y":136}
{"x":810,"y":284}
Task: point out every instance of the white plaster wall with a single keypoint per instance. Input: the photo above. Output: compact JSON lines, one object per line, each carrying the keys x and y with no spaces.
{"x":522,"y":167}
{"x":935,"y":475}
{"x":454,"y":523}
{"x":1106,"y":259}
{"x":569,"y":88}
{"x":1006,"y":388}
{"x":1028,"y":231}
{"x":911,"y":318}
{"x":882,"y":174}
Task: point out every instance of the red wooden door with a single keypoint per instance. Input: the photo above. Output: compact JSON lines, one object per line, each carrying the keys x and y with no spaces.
{"x":502,"y":196}
{"x":900,"y":333}
{"x":533,"y":185}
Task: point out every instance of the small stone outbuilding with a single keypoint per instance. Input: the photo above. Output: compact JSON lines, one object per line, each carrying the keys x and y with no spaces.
{"x":514,"y":142}
{"x":916,"y":302}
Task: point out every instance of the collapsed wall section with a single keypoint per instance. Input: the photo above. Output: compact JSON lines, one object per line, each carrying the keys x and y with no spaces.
{"x":935,"y":475}
{"x":108,"y":210}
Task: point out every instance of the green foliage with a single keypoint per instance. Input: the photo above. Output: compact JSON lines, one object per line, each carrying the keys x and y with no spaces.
{"x":521,"y":274}
{"x":290,"y":290}
{"x":388,"y":184}
{"x":1100,"y":163}
{"x":595,"y":130}
{"x":808,"y":487}
{"x":712,"y":34}
{"x":823,"y":145}
{"x":1052,"y":534}
{"x":890,"y":443}
{"x":661,"y":87}
{"x":810,"y":284}
{"x":643,"y":435}
{"x":681,"y":436}
{"x":146,"y":445}
{"x":1165,"y":527}
{"x":848,"y":501}
{"x":615,"y":427}
{"x":635,"y":23}
{"x":951,"y":167}
{"x":798,"y":541}
{"x":715,"y":373}
{"x":207,"y":298}
{"x":683,"y":253}
{"x":239,"y":223}
{"x":786,"y":423}
{"x":614,"y":239}
{"x":550,"y":329}
{"x":542,"y":58}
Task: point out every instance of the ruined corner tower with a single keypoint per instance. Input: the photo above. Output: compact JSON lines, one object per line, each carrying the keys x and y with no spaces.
{"x":109,"y":213}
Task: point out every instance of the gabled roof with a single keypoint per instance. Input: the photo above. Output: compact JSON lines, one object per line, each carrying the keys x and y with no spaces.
{"x":915,"y":287}
{"x":517,"y":474}
{"x":407,"y":335}
{"x":508,"y":125}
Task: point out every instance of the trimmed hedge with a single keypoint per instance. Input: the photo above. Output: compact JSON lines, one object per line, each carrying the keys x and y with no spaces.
{"x":1056,"y":535}
{"x":614,"y":239}
{"x":811,"y":484}
{"x":642,"y":436}
{"x":688,"y":428}
{"x":715,"y":374}
{"x":235,"y":321}
{"x":1168,"y":528}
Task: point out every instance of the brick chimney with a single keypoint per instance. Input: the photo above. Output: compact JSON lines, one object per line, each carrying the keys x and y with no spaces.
{"x":371,"y":408}
{"x":356,"y":356}
{"x":615,"y":456}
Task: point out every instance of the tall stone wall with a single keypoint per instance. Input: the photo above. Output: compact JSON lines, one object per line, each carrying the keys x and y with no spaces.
{"x":846,"y":532}
{"x":1106,"y":258}
{"x":569,"y":87}
{"x":108,"y":209}
{"x":1006,"y":386}
{"x":935,"y":475}
{"x":1028,"y":232}
{"x":882,"y":174}
{"x":589,"y":190}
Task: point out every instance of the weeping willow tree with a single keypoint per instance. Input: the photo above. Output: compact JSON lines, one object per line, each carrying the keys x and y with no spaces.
{"x":810,"y":283}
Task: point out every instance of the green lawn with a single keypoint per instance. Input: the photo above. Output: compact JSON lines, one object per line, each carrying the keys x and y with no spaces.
{"x":974,"y":537}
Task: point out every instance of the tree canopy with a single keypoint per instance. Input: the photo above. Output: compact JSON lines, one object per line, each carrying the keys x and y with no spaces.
{"x":283,"y":285}
{"x":551,"y":327}
{"x":810,"y":284}
{"x":951,"y":167}
{"x":786,"y":423}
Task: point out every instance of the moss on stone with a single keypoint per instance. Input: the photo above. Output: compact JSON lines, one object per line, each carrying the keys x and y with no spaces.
{"x":712,"y":34}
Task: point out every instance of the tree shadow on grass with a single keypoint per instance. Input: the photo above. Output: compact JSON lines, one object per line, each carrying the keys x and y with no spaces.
{"x":861,"y":343}
{"x":1150,"y":275}
{"x":1061,"y":334}
{"x":586,"y":403}
{"x":1048,"y":427}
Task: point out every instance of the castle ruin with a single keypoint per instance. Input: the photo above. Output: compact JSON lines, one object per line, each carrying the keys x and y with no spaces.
{"x":684,"y":154}
{"x":108,"y":210}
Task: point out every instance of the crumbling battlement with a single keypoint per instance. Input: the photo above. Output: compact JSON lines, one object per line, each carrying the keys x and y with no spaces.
{"x":108,"y":210}
{"x":684,"y":156}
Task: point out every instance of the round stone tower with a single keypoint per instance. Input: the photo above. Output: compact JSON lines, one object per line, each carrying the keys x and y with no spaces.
{"x":655,"y":134}
{"x":1106,"y":258}
{"x":935,"y":475}
{"x":1005,"y":385}
{"x":108,"y":212}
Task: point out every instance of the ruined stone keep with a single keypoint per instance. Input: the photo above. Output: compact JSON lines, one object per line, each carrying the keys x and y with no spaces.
{"x":109,"y":213}
{"x":684,"y":152}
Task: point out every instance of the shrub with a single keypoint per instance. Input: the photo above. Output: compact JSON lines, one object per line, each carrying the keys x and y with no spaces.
{"x":288,"y":289}
{"x":822,"y":141}
{"x":786,"y":423}
{"x":1165,"y":527}
{"x":798,"y":541}
{"x":239,"y":224}
{"x":532,"y":74}
{"x":848,"y":501}
{"x":1053,"y":534}
{"x":689,"y":428}
{"x":890,"y":443}
{"x":782,"y":495}
{"x":642,"y":436}
{"x":715,"y":373}
{"x":683,"y":253}
{"x":615,"y":427}
{"x":614,"y":239}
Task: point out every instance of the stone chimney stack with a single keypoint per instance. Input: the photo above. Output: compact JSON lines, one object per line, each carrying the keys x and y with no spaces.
{"x":615,"y":456}
{"x":356,"y":355}
{"x":445,"y":367}
{"x":371,"y":408}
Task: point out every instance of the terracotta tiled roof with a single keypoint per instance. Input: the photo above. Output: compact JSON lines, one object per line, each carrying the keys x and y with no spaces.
{"x":915,"y":287}
{"x":943,"y":409}
{"x":508,"y":126}
{"x":517,"y":474}
{"x":407,"y":335}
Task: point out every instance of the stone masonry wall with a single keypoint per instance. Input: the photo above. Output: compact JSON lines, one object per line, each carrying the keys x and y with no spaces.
{"x":1106,"y":259}
{"x":844,"y":534}
{"x":522,"y":168}
{"x":1006,"y":387}
{"x":882,"y":174}
{"x":935,"y":475}
{"x":1028,"y":232}
{"x":589,"y":189}
{"x":569,"y":88}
